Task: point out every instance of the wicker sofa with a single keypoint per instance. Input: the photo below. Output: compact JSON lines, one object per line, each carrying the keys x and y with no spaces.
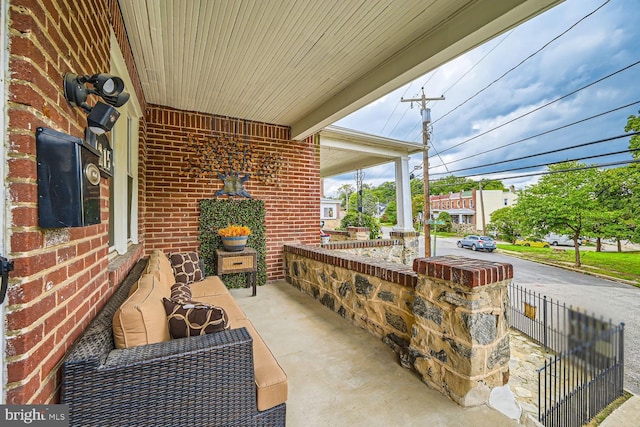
{"x":227,"y":378}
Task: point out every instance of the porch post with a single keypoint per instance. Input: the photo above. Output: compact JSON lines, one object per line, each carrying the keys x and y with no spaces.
{"x":403,"y":195}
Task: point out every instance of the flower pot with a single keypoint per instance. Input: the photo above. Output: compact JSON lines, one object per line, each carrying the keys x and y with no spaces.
{"x":234,"y":244}
{"x":324,"y":238}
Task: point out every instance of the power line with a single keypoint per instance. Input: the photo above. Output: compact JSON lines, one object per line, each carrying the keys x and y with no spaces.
{"x":548,"y":172}
{"x":461,"y":77}
{"x":537,"y":135}
{"x":543,"y":164}
{"x":558,"y":150}
{"x":442,"y":163}
{"x":541,"y":107}
{"x":525,"y":60}
{"x":551,"y":163}
{"x":407,"y":109}
{"x":478,"y":62}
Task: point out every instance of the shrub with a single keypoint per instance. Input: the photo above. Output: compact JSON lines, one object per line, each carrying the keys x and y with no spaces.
{"x":356,"y":219}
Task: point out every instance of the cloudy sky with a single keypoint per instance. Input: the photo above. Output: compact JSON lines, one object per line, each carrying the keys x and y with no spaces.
{"x":480,"y":120}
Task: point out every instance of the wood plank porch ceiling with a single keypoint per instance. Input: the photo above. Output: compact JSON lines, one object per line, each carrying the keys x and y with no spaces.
{"x":301,"y":63}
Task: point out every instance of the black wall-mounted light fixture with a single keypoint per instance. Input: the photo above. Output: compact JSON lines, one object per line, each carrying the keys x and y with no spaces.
{"x":110,"y":88}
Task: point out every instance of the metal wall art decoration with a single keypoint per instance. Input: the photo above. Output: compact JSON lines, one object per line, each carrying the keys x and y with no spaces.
{"x":231,"y":160}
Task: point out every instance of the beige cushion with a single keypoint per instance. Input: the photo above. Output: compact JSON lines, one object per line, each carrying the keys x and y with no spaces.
{"x":141,"y":319}
{"x":160,"y":266}
{"x":226,"y":301}
{"x":272,"y":386}
{"x":211,"y":285}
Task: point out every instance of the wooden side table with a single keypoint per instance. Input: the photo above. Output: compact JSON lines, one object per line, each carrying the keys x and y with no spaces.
{"x":244,"y":261}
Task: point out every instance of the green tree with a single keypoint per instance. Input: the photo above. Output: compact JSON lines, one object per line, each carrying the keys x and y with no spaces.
{"x":344,"y":192}
{"x":417,"y":187}
{"x":356,"y":219}
{"x":492,"y":184}
{"x":417,"y":204}
{"x":633,"y":125}
{"x":451,"y":184}
{"x":446,"y":218}
{"x":390,"y":213}
{"x":561,"y":202}
{"x":633,"y":176}
{"x":454,"y":184}
{"x":617,"y":218}
{"x":385,"y":192}
{"x":505,"y":224}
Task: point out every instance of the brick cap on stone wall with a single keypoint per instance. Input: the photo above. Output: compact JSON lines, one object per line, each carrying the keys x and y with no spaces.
{"x":357,"y":244}
{"x":336,"y":232}
{"x":463,"y":271}
{"x":385,"y":270}
{"x":358,"y":229}
{"x":404,"y":234}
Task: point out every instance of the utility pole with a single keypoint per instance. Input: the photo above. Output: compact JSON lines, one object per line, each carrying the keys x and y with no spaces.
{"x":484,"y":225}
{"x":359,"y":176}
{"x":426,"y":120}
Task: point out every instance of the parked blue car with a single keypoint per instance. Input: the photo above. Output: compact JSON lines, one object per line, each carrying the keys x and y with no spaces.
{"x":477,"y":243}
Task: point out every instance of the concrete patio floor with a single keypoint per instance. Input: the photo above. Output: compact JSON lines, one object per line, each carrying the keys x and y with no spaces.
{"x":340,"y":375}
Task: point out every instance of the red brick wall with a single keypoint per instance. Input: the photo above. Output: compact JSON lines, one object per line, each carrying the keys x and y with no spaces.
{"x":172,"y":199}
{"x":61,"y":276}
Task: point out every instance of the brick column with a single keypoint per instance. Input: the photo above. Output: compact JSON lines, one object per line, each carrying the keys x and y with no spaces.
{"x":460,"y":338}
{"x":410,"y":245}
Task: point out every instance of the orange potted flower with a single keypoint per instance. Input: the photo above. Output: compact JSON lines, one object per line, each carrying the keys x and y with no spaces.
{"x":234,"y":237}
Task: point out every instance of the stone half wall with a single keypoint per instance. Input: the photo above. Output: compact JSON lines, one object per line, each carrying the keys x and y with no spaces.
{"x":460,"y":336}
{"x":386,"y":249}
{"x":446,"y":317}
{"x":373,"y":294}
{"x":401,"y":248}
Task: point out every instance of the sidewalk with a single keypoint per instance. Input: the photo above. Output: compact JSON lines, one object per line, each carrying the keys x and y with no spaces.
{"x":627,"y":415}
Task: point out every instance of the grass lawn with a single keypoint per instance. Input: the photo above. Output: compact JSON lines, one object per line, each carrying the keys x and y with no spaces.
{"x":623,"y":265}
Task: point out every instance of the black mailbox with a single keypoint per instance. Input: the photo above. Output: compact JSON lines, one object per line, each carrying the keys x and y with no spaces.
{"x":68,"y":181}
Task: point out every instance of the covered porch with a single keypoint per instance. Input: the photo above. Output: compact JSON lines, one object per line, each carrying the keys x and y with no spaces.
{"x":259,"y":77}
{"x":341,"y":375}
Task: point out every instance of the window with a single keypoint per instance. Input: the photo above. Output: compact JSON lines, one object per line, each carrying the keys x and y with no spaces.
{"x":123,"y":185}
{"x":328,"y":212}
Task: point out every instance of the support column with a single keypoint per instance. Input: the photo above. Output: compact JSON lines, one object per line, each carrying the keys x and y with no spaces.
{"x":403,"y":195}
{"x":410,"y":245}
{"x":460,"y":338}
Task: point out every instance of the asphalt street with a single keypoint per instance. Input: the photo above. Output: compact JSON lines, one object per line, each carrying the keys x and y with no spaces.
{"x":611,"y":300}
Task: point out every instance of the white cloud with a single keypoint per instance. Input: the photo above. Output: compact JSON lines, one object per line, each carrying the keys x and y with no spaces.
{"x":601,"y":44}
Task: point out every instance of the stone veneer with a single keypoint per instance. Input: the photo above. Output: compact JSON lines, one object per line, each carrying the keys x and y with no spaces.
{"x":373,"y":294}
{"x":445,"y":317}
{"x":460,"y":337}
{"x":401,"y":248}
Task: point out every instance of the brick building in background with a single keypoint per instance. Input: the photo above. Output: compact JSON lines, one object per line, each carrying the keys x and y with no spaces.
{"x":471,"y":210}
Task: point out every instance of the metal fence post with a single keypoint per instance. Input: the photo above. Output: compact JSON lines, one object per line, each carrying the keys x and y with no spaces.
{"x":544,"y":315}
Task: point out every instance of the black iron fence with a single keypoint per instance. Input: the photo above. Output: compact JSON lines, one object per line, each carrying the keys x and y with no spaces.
{"x":588,"y":371}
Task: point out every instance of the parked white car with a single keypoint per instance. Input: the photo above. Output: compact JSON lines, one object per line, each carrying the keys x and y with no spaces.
{"x":560,"y":240}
